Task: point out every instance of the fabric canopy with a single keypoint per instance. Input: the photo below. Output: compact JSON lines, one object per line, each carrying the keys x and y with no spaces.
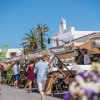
{"x":88,"y":46}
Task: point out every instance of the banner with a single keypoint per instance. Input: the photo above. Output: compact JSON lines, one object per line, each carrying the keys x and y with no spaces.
{"x":4,"y":50}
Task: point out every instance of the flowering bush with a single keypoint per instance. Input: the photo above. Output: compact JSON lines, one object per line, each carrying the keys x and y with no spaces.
{"x":86,"y":85}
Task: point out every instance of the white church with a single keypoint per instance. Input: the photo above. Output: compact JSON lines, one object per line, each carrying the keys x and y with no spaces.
{"x":66,"y":35}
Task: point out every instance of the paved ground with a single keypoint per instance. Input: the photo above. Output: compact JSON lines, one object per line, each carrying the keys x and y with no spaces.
{"x":10,"y":93}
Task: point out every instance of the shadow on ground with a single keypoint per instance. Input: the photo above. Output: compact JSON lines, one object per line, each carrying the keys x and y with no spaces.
{"x":58,"y":95}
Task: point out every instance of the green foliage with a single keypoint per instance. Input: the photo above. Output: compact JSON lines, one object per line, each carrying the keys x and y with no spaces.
{"x":3,"y":53}
{"x":35,"y":40}
{"x":9,"y":74}
{"x":41,"y":31}
{"x":30,"y":41}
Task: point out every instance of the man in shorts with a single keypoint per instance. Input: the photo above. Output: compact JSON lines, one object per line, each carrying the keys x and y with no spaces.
{"x":40,"y":71}
{"x":16,"y":70}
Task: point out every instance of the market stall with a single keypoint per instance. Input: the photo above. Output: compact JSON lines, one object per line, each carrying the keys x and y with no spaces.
{"x":63,"y":65}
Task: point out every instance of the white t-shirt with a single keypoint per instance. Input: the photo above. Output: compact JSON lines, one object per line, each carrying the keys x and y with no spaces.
{"x":16,"y":69}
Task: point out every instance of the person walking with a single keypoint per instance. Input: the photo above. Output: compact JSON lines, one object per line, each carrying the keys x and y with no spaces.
{"x":30,"y":75}
{"x":16,"y":71}
{"x":40,"y":71}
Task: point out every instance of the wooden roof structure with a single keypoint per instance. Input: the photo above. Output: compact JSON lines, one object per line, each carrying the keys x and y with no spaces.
{"x":88,"y":45}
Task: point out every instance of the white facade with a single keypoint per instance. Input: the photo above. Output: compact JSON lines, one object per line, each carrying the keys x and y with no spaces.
{"x":66,"y":34}
{"x":13,"y":52}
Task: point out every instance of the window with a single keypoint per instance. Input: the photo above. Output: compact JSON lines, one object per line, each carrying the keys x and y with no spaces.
{"x":12,"y":54}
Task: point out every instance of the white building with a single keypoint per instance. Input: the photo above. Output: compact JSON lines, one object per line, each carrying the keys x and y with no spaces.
{"x":66,"y":35}
{"x":13,"y":52}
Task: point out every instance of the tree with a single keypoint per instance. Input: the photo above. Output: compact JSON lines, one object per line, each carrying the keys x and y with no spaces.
{"x":30,"y":41}
{"x":41,"y":31}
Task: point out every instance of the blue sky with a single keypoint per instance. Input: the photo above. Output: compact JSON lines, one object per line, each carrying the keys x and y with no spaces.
{"x":18,"y":16}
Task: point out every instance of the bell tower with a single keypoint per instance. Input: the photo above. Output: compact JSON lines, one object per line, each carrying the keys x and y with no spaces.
{"x":62,"y":25}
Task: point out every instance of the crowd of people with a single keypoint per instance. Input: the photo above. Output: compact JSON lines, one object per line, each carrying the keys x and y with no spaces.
{"x":35,"y":71}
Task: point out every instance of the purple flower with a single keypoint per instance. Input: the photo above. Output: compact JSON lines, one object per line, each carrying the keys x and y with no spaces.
{"x":83,"y":74}
{"x":67,"y":96}
{"x":90,"y":93}
{"x":94,"y":76}
{"x":80,"y":74}
{"x":98,"y":74}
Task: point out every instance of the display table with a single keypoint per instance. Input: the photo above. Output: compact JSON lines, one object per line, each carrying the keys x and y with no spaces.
{"x":55,"y":75}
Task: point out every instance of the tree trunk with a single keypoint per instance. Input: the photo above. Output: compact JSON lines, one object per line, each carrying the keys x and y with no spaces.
{"x":41,"y":41}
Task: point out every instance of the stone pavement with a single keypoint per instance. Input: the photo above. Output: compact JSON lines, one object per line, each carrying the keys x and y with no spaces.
{"x":10,"y":93}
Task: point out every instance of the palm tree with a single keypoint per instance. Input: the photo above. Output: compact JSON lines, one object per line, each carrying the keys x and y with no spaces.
{"x":30,"y":41}
{"x":41,"y":31}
